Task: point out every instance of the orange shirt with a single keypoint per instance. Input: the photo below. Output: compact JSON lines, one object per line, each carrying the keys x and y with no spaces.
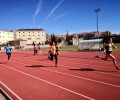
{"x":53,"y":49}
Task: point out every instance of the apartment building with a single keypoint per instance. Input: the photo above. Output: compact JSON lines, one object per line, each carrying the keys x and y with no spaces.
{"x":6,"y":36}
{"x":31,"y":35}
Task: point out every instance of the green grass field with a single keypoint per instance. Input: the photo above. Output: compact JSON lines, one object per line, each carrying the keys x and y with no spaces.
{"x":64,"y":48}
{"x":118,"y":47}
{"x":75,"y":48}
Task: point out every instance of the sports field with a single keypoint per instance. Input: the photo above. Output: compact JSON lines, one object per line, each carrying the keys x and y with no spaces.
{"x":79,"y":76}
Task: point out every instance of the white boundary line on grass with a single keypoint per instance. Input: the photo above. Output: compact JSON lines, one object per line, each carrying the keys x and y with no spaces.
{"x":49,"y":82}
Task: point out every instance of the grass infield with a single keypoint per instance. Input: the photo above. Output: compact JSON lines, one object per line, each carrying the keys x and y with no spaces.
{"x":75,"y":48}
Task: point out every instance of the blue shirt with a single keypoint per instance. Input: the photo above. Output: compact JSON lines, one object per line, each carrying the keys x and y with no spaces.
{"x":8,"y":49}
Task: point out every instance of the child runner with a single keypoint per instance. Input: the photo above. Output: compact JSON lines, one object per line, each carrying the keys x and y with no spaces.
{"x":35,"y":49}
{"x":8,"y":49}
{"x":108,"y":52}
{"x":53,"y":53}
{"x":57,"y":49}
{"x":39,"y":52}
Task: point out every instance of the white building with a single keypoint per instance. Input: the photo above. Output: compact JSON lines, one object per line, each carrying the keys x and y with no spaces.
{"x":6,"y":36}
{"x":31,"y":35}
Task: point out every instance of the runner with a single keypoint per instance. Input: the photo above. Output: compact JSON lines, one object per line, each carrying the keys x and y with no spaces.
{"x":53,"y":53}
{"x":108,"y":52}
{"x":35,"y":49}
{"x":8,"y":49}
{"x":39,"y":51}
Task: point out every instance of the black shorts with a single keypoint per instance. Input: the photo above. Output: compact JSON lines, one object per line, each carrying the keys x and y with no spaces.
{"x":108,"y":52}
{"x":57,"y":50}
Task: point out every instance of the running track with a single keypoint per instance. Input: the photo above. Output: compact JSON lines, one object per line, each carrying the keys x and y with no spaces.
{"x":79,"y":76}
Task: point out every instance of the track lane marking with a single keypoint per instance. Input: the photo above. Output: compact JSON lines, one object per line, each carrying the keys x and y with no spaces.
{"x":71,"y":91}
{"x":80,"y":77}
{"x":10,"y":90}
{"x":66,"y":66}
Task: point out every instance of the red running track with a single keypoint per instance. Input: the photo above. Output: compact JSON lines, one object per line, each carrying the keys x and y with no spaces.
{"x":79,"y":76}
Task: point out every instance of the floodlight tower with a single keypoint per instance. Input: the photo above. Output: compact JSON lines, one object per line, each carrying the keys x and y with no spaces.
{"x":97,"y":11}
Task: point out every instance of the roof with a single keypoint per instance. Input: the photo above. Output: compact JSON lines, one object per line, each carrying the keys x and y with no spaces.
{"x":30,"y":29}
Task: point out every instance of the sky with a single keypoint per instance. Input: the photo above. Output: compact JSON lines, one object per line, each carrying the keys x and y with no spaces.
{"x":60,"y":16}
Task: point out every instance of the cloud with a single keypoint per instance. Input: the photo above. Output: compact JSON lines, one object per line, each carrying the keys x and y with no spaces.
{"x":62,"y":15}
{"x":53,"y":10}
{"x":38,"y":9}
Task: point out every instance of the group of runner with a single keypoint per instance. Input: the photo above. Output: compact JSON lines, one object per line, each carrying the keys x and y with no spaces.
{"x":54,"y":52}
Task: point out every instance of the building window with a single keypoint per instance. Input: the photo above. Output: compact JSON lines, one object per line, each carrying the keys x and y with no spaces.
{"x":29,"y":38}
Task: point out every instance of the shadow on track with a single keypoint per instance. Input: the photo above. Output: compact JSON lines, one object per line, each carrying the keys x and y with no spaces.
{"x":89,"y":69}
{"x":37,"y":66}
{"x":3,"y":62}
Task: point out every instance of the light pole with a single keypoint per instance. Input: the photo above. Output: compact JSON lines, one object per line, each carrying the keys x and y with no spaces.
{"x":97,"y":10}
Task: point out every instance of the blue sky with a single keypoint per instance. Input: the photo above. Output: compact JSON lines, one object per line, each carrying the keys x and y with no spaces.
{"x":60,"y":16}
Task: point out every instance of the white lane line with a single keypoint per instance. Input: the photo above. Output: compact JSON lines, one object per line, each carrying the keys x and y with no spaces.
{"x":96,"y":71}
{"x":83,"y":78}
{"x":88,"y":64}
{"x":89,"y":60}
{"x":10,"y":90}
{"x":77,"y":67}
{"x":49,"y":82}
{"x":105,"y":83}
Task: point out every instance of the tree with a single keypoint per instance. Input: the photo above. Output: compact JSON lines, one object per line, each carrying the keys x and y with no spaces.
{"x":87,"y":36}
{"x":59,"y":40}
{"x":53,"y":38}
{"x":68,"y":39}
{"x":106,"y":35}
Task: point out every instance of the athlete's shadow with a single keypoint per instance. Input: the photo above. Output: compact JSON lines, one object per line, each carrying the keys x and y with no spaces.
{"x":3,"y":62}
{"x":90,"y":69}
{"x":37,"y":66}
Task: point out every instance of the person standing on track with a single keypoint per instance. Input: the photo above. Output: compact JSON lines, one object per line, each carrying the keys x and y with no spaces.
{"x":35,"y":49}
{"x":53,"y":53}
{"x":107,"y":47}
{"x":8,"y":49}
{"x":39,"y":51}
